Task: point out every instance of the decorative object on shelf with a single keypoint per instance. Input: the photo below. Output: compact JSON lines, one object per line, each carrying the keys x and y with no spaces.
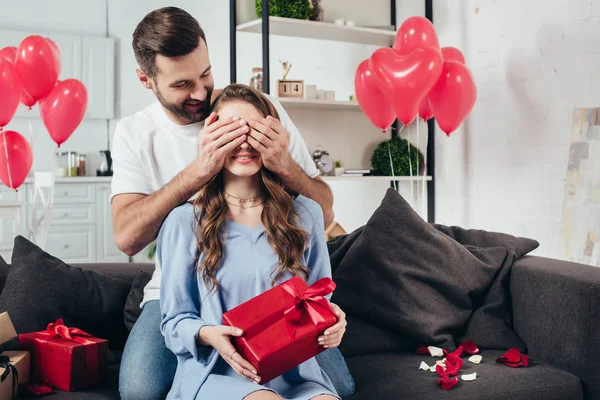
{"x":256,"y":82}
{"x":357,"y":172}
{"x":339,"y":170}
{"x":322,"y":160}
{"x":317,"y":11}
{"x":289,"y":88}
{"x":297,"y":9}
{"x":310,"y":92}
{"x":330,"y":95}
{"x":335,"y":229}
{"x":397,"y":149}
{"x":287,"y":66}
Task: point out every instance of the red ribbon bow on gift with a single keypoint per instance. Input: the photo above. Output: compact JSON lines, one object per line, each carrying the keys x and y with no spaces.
{"x":59,"y":330}
{"x":308,"y":303}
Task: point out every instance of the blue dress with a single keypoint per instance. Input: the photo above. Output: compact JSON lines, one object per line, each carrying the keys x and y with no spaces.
{"x":245,"y":272}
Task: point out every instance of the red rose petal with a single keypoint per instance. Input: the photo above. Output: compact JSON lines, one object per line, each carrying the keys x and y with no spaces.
{"x":470,"y":347}
{"x":458,"y":352}
{"x":447,"y":383}
{"x":514,"y":359}
{"x":511,"y":356}
{"x":454,"y":361}
{"x":441,"y":371}
{"x":37,"y":390}
{"x":423,"y":350}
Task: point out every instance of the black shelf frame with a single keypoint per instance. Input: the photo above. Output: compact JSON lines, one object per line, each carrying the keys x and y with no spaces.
{"x":267,"y":82}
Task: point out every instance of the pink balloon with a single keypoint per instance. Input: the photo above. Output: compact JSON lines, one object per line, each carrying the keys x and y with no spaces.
{"x":406,"y":79}
{"x":14,"y":169}
{"x":10,"y":91}
{"x":63,"y":109}
{"x":9,"y":53}
{"x":372,"y":100}
{"x":425,"y":110}
{"x":56,"y":49}
{"x":37,"y":66}
{"x":416,"y":33}
{"x":453,"y":54}
{"x":453,"y":97}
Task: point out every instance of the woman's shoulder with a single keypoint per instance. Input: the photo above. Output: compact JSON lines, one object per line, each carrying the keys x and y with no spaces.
{"x":179,"y":219}
{"x":309,"y":211}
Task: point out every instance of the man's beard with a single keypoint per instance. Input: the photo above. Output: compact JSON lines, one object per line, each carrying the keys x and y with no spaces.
{"x":181,"y":111}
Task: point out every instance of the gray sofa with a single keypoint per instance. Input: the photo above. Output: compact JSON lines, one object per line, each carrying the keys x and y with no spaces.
{"x":556,"y":311}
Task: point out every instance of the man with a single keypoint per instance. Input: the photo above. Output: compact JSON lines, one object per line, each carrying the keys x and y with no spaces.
{"x":165,"y":153}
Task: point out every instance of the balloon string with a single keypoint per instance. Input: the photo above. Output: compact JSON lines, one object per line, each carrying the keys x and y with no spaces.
{"x":10,"y":183}
{"x":425,"y":169}
{"x":390,"y":154}
{"x":410,"y":165}
{"x":32,"y":140}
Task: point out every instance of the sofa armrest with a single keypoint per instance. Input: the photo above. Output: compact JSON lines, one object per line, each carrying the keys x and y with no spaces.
{"x":556,"y":312}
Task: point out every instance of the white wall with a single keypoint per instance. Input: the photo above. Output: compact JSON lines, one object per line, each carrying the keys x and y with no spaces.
{"x":533,"y":63}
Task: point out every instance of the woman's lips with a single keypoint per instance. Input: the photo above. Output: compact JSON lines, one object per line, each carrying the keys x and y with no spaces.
{"x":245,"y":159}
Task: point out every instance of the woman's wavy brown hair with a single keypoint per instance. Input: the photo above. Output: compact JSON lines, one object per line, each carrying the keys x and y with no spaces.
{"x":279,"y":216}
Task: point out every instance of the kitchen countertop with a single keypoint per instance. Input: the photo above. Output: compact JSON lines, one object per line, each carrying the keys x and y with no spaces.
{"x":78,"y":179}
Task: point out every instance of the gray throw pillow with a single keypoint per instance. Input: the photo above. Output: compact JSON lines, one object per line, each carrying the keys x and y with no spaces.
{"x":405,"y":276}
{"x":41,"y":288}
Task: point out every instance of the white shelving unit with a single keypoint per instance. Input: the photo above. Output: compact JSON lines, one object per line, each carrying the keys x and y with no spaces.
{"x":376,"y":178}
{"x":320,"y":104}
{"x":344,"y":113}
{"x":322,"y":31}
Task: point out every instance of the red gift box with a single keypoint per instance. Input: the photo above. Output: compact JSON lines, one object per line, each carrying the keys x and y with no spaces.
{"x":281,"y":325}
{"x":65,"y":358}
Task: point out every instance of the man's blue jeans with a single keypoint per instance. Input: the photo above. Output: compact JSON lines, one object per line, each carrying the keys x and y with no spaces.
{"x":148,"y":367}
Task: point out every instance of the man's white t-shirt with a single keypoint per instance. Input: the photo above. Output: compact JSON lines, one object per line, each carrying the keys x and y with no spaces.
{"x":149,"y":150}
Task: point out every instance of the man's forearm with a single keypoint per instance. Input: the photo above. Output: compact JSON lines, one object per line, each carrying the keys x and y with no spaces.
{"x":315,"y":189}
{"x":137,"y":224}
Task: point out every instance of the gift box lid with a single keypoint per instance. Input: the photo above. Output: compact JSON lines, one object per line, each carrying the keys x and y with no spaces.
{"x":7,"y":330}
{"x":263,"y":309}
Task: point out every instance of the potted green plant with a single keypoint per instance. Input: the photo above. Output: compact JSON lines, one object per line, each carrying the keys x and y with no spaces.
{"x":338,"y":168}
{"x":401,"y":160}
{"x":297,"y":9}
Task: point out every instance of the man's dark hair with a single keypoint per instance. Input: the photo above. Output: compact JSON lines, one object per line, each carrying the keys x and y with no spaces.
{"x":168,"y":31}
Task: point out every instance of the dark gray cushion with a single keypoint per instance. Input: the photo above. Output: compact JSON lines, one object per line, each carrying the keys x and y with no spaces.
{"x":394,"y":376}
{"x":407,"y":277}
{"x":108,"y":391}
{"x":3,"y":272}
{"x":41,"y":288}
{"x":132,"y":308}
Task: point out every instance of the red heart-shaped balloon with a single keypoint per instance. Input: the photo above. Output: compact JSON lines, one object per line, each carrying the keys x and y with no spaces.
{"x":453,"y":96}
{"x":406,"y":79}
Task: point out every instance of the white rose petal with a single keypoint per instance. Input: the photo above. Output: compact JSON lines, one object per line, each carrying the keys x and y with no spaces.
{"x":475,"y":359}
{"x":424,"y":366}
{"x":432,"y":368}
{"x":469,"y":377}
{"x":435,"y":351}
{"x":441,"y":362}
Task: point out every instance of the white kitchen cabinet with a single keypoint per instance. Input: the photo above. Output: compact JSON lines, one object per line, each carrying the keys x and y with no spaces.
{"x":70,"y":55}
{"x":98,"y":69}
{"x":81,"y":224}
{"x":72,"y":243}
{"x":107,"y":250}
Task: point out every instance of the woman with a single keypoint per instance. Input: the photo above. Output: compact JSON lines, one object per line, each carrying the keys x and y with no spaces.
{"x":243,"y":234}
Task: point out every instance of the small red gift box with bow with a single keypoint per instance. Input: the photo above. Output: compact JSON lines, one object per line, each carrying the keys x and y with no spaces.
{"x":65,"y":358}
{"x":281,"y":325}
